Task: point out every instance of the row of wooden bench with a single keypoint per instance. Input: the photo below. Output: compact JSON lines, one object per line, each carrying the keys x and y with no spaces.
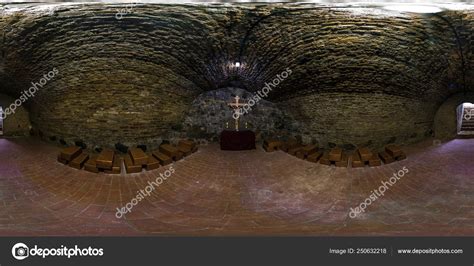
{"x":360,"y":158}
{"x":110,"y":162}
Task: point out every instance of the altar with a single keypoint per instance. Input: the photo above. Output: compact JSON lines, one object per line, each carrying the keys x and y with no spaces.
{"x":237,"y":140}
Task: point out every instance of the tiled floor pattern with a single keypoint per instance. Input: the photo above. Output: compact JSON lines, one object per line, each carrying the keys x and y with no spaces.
{"x":216,"y":192}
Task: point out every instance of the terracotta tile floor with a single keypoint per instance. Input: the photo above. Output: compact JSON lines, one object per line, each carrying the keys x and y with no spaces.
{"x":239,"y":193}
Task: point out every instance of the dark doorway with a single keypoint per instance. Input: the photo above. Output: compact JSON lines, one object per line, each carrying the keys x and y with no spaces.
{"x":465,"y":115}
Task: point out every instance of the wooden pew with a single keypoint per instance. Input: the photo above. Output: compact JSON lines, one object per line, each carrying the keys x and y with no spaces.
{"x":180,"y":155}
{"x":189,"y":144}
{"x":130,"y":166}
{"x":335,"y":155}
{"x":68,"y":154}
{"x":309,"y":149}
{"x":386,"y":158}
{"x":365,"y":154}
{"x":270,"y":145}
{"x":357,"y":161}
{"x":105,"y":160}
{"x":401,"y":157}
{"x":138,"y":156}
{"x":116,"y":167}
{"x":61,"y":160}
{"x":306,"y":151}
{"x":185,"y":149}
{"x":152,"y":163}
{"x":375,"y":160}
{"x":300,"y":155}
{"x":79,"y":161}
{"x":314,"y":158}
{"x":289,"y":144}
{"x":344,"y":162}
{"x":325,"y":159}
{"x":295,"y":149}
{"x":394,"y":150}
{"x":162,"y":158}
{"x":170,"y":151}
{"x":91,"y":165}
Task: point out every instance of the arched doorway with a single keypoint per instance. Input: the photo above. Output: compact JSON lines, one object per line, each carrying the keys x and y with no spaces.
{"x":465,"y":119}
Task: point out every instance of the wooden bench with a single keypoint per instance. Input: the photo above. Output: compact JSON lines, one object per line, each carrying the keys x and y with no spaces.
{"x":375,"y":160}
{"x":170,"y":151}
{"x":68,"y":154}
{"x":314,"y":158}
{"x":91,"y":165}
{"x":271,"y":145}
{"x":335,"y":155}
{"x":386,"y":158}
{"x":105,"y":160}
{"x":357,"y":161}
{"x":116,"y":167}
{"x":138,"y":156}
{"x":162,"y":158}
{"x":61,"y":160}
{"x":130,"y":166}
{"x":295,"y":149}
{"x":394,"y":150}
{"x":187,"y":143}
{"x":325,"y":159}
{"x":79,"y":161}
{"x":185,"y":149}
{"x":289,"y":144}
{"x":308,"y":150}
{"x":180,"y":155}
{"x":152,"y":163}
{"x":299,"y":154}
{"x":344,"y":162}
{"x":365,"y":154}
{"x":401,"y":157}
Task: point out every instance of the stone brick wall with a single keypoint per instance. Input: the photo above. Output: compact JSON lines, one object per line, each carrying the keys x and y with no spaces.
{"x":209,"y":114}
{"x":131,"y":80}
{"x":352,"y":120}
{"x":17,"y":124}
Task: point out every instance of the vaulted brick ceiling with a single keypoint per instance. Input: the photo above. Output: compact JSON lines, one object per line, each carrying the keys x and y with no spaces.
{"x":358,"y":49}
{"x":155,"y":60}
